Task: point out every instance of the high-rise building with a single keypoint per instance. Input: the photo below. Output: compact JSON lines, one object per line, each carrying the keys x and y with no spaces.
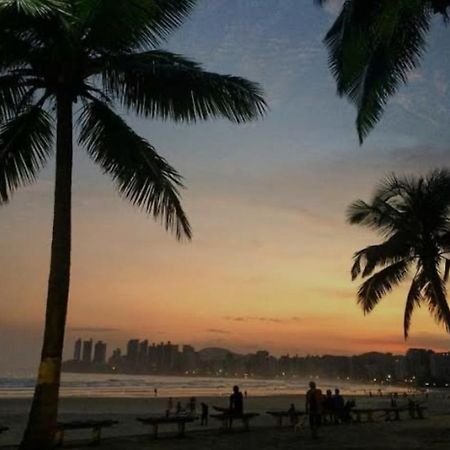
{"x":132,"y":350}
{"x":143,"y":352}
{"x":100,"y":352}
{"x":87,"y":351}
{"x":418,"y":363}
{"x":77,"y":350}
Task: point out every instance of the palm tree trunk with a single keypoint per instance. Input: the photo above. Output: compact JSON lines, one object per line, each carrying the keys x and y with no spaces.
{"x":42,"y":421}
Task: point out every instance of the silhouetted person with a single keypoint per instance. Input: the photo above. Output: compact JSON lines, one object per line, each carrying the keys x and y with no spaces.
{"x":170,"y":404}
{"x":338,"y":405}
{"x":346,"y":416}
{"x":192,"y":405}
{"x":292,"y":413}
{"x":155,"y":391}
{"x":393,"y":401}
{"x":236,"y":401}
{"x":313,"y":407}
{"x":179,"y":408}
{"x":245,"y":394}
{"x":204,"y":415}
{"x":328,"y":406}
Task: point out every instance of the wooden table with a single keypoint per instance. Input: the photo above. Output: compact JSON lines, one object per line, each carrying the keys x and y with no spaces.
{"x":95,"y":425}
{"x":279,"y":416}
{"x":156,"y":421}
{"x":227,"y":419}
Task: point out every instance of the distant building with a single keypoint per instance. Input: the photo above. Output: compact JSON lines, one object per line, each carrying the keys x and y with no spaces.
{"x":143,"y":352}
{"x":77,"y":350}
{"x":87,"y":351}
{"x":132,"y":350}
{"x":418,"y":363}
{"x":440,"y":366}
{"x":116,"y":358}
{"x":100,"y":353}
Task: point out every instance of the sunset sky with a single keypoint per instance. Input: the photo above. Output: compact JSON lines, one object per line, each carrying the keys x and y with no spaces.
{"x":268,"y":267}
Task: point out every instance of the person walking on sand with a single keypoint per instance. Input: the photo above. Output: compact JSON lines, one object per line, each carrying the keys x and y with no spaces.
{"x":313,"y":407}
{"x":204,"y":415}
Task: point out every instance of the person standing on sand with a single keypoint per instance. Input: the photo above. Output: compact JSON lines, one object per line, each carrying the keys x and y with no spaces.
{"x":204,"y":416}
{"x":236,"y":401}
{"x":313,"y":407}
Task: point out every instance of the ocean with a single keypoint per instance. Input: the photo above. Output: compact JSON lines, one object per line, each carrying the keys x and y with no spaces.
{"x":132,"y":386}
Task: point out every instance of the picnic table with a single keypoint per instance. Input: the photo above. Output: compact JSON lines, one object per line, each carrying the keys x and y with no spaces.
{"x":95,"y":425}
{"x":279,"y":416}
{"x":227,"y":419}
{"x":391,"y":413}
{"x":156,"y":421}
{"x":368,"y":413}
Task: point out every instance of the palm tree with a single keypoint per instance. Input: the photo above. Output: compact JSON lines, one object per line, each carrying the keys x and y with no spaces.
{"x":99,"y":54}
{"x":412,"y":215}
{"x":373,"y":46}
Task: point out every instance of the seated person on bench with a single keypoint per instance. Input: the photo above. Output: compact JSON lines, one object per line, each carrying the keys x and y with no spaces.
{"x":236,"y":403}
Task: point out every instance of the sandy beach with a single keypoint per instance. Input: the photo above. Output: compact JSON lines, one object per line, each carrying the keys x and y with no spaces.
{"x":431,"y":433}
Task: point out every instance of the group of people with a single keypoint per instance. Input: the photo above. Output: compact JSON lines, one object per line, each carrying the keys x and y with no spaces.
{"x":236,"y":406}
{"x":191,"y":406}
{"x":328,"y":408}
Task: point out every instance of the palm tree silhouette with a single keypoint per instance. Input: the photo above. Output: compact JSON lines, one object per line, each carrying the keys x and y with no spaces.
{"x":100,"y":54}
{"x":373,"y":46}
{"x":412,"y":215}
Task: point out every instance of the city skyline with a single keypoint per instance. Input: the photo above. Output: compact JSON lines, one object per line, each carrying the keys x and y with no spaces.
{"x":271,"y":254}
{"x":417,"y":365}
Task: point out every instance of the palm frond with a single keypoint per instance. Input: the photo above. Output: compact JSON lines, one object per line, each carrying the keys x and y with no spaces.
{"x":379,"y":284}
{"x":413,"y":300}
{"x":394,"y":249}
{"x":122,"y":25}
{"x":26,"y":142}
{"x":446,"y":269}
{"x":161,"y":84}
{"x":373,"y":46}
{"x":436,"y":295}
{"x":12,"y":92}
{"x":142,"y":176}
{"x":33,"y":8}
{"x":377,"y":215}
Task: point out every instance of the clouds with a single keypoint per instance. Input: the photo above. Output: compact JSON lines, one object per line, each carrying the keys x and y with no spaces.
{"x":93,"y":329}
{"x":217,"y":331}
{"x":263,"y":319}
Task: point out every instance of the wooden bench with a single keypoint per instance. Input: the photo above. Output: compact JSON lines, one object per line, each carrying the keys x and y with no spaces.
{"x":95,"y":425}
{"x":227,"y":419}
{"x":279,"y":417}
{"x":156,"y":421}
{"x":389,"y":414}
{"x":368,"y":413}
{"x":416,"y":411}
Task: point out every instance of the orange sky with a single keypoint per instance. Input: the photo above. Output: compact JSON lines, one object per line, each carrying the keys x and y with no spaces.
{"x":258,"y":275}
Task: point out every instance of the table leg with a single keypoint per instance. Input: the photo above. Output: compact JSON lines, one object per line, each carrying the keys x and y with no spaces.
{"x":96,"y":435}
{"x":59,"y":437}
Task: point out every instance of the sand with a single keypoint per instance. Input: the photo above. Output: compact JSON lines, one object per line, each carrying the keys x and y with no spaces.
{"x":431,"y":433}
